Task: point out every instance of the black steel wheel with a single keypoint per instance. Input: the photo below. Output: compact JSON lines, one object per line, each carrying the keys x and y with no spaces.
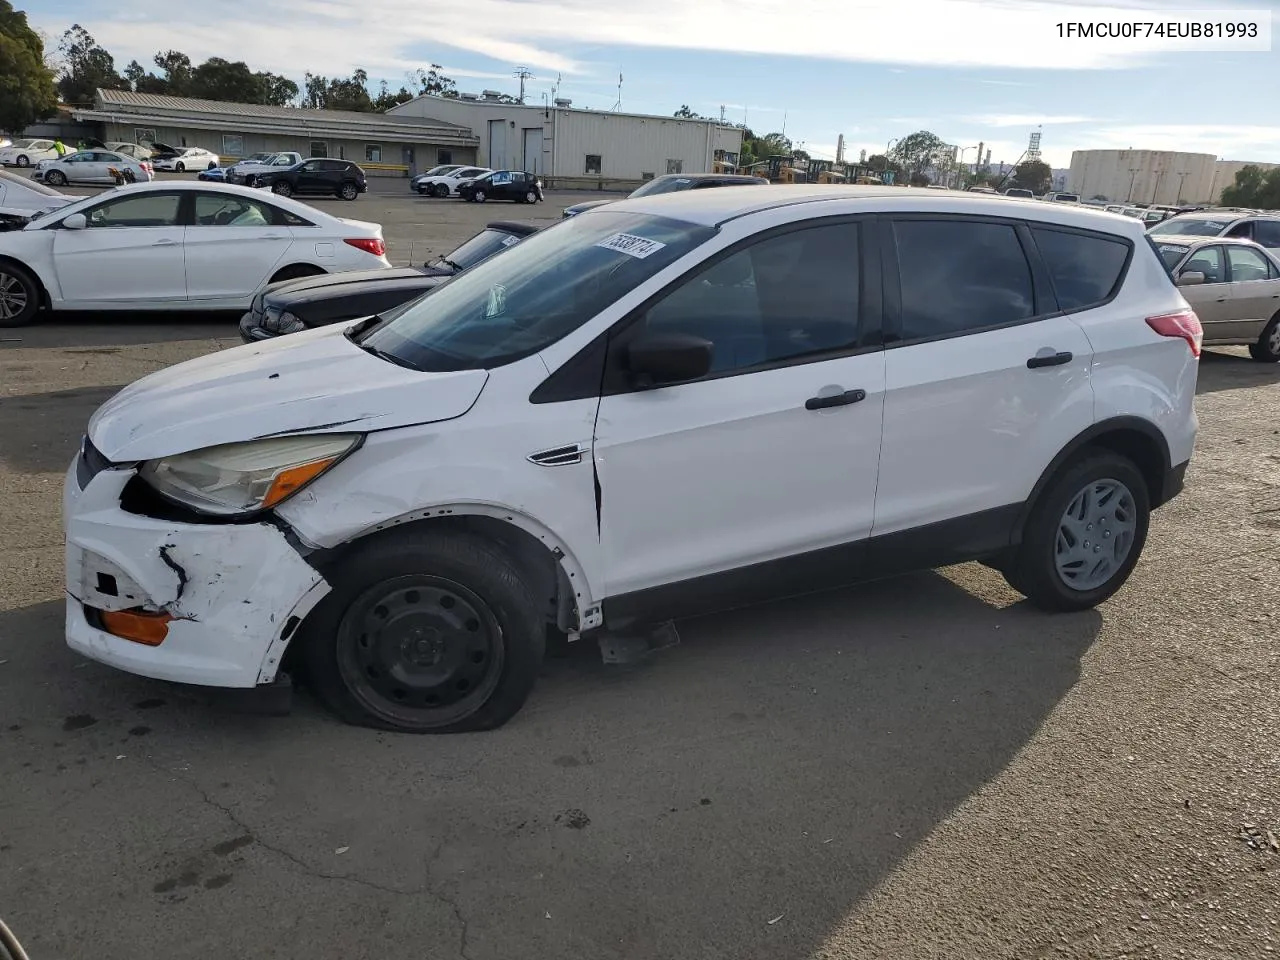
{"x":425,"y":633}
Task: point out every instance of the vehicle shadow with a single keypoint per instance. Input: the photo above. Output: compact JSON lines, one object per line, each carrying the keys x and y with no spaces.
{"x":737,"y":795}
{"x":1220,"y":370}
{"x":43,"y":430}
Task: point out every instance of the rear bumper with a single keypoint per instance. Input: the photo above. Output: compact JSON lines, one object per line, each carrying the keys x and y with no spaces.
{"x":1175,"y":479}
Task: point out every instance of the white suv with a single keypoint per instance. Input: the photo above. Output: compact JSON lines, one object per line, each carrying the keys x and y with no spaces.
{"x":657,"y":408}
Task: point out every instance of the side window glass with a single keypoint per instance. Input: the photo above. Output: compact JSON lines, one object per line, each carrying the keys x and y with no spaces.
{"x":959,"y":276}
{"x":784,"y":297}
{"x":219,"y":210}
{"x":1246,"y":265}
{"x":1206,"y":260}
{"x":145,"y":210}
{"x":1240,"y":230}
{"x":1085,"y":269}
{"x":1267,"y":233}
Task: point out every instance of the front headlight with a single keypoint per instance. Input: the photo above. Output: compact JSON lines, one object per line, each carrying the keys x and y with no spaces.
{"x":237,"y":478}
{"x":288,"y":323}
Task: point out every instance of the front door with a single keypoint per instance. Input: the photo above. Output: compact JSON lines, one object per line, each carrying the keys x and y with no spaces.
{"x":774,"y":454}
{"x":312,"y":178}
{"x":131,"y":249}
{"x":232,"y":246}
{"x":984,"y":383}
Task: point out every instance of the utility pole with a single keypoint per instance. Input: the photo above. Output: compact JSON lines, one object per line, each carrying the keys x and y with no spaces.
{"x":1182,"y":175}
{"x":618,"y":105}
{"x":522,"y":74}
{"x":1155,"y":189}
{"x":1133,"y":175}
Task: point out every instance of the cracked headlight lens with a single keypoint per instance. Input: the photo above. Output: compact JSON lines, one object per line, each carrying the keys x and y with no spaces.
{"x":238,"y":478}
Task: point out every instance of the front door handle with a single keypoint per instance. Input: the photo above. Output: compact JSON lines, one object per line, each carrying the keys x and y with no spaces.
{"x":835,"y":400}
{"x":1049,"y":359}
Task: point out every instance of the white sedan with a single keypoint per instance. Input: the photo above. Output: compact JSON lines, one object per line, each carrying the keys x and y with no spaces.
{"x":21,"y":200}
{"x":137,"y":151}
{"x":446,"y":185}
{"x":27,"y":153}
{"x":174,"y":246}
{"x":190,"y":158}
{"x":89,"y":166}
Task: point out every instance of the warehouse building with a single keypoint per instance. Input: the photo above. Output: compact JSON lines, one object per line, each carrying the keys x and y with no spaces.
{"x":381,"y":143}
{"x":1152,"y":176}
{"x":574,"y":148}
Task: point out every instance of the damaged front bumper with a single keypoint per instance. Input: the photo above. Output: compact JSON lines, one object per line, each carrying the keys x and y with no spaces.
{"x":236,"y":591}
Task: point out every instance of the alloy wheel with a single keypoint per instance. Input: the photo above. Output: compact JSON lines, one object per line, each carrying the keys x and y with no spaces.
{"x":13,"y":297}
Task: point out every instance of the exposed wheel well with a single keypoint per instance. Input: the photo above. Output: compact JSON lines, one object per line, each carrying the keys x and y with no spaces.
{"x":295,"y":270}
{"x":1145,"y":453}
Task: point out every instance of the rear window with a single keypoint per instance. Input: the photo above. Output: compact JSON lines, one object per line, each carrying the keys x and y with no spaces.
{"x":1190,"y":227}
{"x":1169,"y":253}
{"x":1085,"y":267}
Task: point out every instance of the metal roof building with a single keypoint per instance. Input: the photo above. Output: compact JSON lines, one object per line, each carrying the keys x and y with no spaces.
{"x":378,"y":141}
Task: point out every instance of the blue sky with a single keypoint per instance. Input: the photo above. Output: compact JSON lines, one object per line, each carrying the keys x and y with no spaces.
{"x":972,"y":71}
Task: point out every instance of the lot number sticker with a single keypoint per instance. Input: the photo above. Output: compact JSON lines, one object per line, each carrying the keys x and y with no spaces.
{"x":508,"y":240}
{"x":632,"y":246}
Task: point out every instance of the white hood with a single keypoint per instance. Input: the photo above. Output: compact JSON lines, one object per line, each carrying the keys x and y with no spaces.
{"x":317,"y":381}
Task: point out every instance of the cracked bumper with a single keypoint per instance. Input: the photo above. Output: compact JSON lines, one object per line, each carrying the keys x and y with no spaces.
{"x":233,"y":589}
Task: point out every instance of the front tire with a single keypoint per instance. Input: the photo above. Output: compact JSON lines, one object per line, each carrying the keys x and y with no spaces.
{"x":19,"y":296}
{"x":23,"y":160}
{"x":425,"y":633}
{"x":55,"y":178}
{"x":180,"y":167}
{"x":479,"y":196}
{"x":1267,"y":349}
{"x":211,"y":166}
{"x":440,"y":191}
{"x":282,"y":189}
{"x":1084,"y":535}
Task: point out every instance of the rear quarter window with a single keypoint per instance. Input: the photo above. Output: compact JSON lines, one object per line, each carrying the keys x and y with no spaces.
{"x":1085,"y":268}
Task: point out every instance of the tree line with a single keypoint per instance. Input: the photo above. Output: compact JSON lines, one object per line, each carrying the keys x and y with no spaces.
{"x":1254,"y":188}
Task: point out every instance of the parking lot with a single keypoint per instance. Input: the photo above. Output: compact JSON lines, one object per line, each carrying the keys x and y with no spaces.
{"x":922,"y":767}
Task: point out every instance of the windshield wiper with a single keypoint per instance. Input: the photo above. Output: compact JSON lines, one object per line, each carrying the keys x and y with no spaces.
{"x":351,"y":333}
{"x":384,"y":355}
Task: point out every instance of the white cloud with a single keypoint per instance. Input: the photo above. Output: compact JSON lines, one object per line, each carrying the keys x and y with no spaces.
{"x":1023,"y":120}
{"x":335,"y":37}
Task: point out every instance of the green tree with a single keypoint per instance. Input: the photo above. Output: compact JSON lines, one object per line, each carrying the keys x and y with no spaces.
{"x":231,"y":82}
{"x":27,"y":92}
{"x":917,"y":152}
{"x":385,"y":99}
{"x":275,"y":90}
{"x":433,"y":82}
{"x":349,"y":94}
{"x":686,"y":113}
{"x":142,"y":81}
{"x":86,"y":67}
{"x":177,"y":72}
{"x":1033,"y":175}
{"x":1246,"y":189}
{"x":879,"y":163}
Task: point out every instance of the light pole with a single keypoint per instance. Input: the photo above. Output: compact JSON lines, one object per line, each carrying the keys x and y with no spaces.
{"x":1154,"y":189}
{"x":1133,"y":175}
{"x":962,"y":153}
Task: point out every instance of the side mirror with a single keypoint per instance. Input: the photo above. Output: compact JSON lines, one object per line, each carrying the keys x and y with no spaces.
{"x":76,"y":221}
{"x":655,"y":359}
{"x":1190,"y":278}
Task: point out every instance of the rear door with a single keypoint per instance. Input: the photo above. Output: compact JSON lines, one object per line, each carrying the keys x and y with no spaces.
{"x":233,"y":244}
{"x":1255,"y":292}
{"x":985,"y":378}
{"x":311,"y":178}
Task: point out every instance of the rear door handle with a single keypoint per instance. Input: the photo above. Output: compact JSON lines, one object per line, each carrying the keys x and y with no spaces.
{"x":1049,"y":359}
{"x":835,"y":400}
{"x":165,"y":243}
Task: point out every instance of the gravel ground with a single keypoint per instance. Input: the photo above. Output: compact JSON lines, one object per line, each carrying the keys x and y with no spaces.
{"x":922,"y":768}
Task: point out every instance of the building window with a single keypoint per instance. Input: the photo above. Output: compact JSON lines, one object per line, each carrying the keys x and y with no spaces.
{"x":443,"y":157}
{"x":144,"y":135}
{"x":593,"y":163}
{"x":675,"y":166}
{"x":373,"y":153}
{"x":319,"y":148}
{"x":232,"y":145}
{"x":646,"y":176}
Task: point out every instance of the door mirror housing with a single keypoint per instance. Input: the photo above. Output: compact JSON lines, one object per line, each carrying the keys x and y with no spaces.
{"x":1190,"y":278}
{"x":656,"y":359}
{"x":76,"y":221}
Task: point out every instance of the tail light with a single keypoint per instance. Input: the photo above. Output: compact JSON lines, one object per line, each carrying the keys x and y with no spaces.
{"x":372,"y":245}
{"x":1184,"y":324}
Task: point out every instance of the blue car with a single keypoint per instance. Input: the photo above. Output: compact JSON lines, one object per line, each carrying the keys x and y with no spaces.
{"x":217,"y":174}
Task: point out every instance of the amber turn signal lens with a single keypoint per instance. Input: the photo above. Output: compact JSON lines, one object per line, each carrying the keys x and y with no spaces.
{"x":139,"y":626}
{"x":288,"y":482}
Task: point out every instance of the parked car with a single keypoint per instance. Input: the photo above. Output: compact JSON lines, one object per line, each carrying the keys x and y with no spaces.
{"x":90,"y":166}
{"x":174,"y":246}
{"x":247,"y":171}
{"x":27,"y":153}
{"x":1059,"y":197}
{"x":161,"y":151}
{"x":446,"y":184}
{"x":513,"y":185}
{"x":557,"y":438}
{"x":291,"y":306}
{"x":189,"y":158}
{"x":134,"y":150}
{"x":214,"y":175}
{"x":1019,"y":192}
{"x":336,"y":178}
{"x":1262,"y":228}
{"x":440,"y":171}
{"x":21,"y":200}
{"x":674,"y":183}
{"x":1233,"y":286}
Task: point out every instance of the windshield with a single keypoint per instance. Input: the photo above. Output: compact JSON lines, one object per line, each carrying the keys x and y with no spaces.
{"x":662,"y":185}
{"x":441,"y":171}
{"x":480,"y":247}
{"x":525,"y":300}
{"x":1191,"y":227}
{"x":32,"y":185}
{"x":1170,"y":253}
{"x":21,"y":144}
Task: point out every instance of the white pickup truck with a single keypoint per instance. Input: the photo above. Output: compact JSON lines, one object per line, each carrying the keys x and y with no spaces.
{"x":246,"y":171}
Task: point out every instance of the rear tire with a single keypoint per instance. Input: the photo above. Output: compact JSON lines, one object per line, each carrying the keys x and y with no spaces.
{"x":19,"y":296}
{"x":425,"y":633}
{"x":211,"y":166}
{"x":531,"y":196}
{"x":348,"y":191}
{"x":1085,"y":534}
{"x":55,"y":178}
{"x":1267,"y":349}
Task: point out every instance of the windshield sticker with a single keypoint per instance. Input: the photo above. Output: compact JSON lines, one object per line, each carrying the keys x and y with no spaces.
{"x":1167,"y":248}
{"x":508,"y":240}
{"x":632,"y":246}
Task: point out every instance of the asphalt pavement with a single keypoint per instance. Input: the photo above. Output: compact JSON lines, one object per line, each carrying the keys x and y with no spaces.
{"x":919,"y":768}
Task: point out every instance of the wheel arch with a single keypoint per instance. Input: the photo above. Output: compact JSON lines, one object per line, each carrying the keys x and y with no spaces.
{"x":46,"y":299}
{"x":310,"y":270}
{"x":1139,"y":440}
